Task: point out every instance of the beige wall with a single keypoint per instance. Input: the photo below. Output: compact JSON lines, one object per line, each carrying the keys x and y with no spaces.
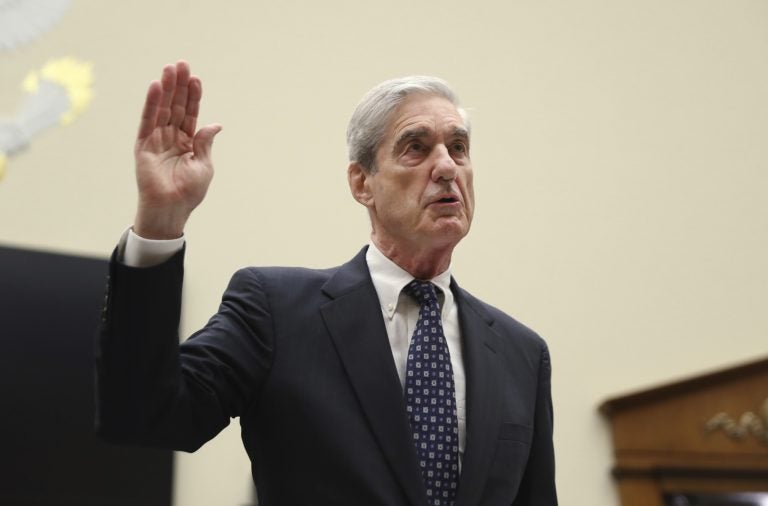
{"x":621,"y":172}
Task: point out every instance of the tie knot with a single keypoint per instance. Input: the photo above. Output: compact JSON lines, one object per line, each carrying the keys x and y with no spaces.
{"x":423,"y":291}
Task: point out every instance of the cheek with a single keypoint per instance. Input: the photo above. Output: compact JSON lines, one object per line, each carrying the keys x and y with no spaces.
{"x":394,"y":201}
{"x":469,"y":190}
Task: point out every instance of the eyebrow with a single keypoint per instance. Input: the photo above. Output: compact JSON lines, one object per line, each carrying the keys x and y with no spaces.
{"x":461,"y":132}
{"x":420,"y":133}
{"x":416,"y":133}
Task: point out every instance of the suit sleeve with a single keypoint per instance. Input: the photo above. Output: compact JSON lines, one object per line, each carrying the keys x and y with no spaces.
{"x":151,"y":390}
{"x":538,"y":484}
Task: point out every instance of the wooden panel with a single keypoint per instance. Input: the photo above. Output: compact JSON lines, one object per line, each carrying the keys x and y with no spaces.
{"x":677,"y":423}
{"x":638,"y":491}
{"x":662,"y":442}
{"x":710,"y":485}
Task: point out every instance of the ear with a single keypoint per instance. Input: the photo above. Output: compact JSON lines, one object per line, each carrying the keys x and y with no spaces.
{"x":359,"y":184}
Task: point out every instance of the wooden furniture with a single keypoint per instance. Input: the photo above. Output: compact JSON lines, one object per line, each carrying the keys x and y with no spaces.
{"x":704,"y":436}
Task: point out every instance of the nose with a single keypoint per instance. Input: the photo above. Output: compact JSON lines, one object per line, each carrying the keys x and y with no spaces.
{"x":445,"y":166}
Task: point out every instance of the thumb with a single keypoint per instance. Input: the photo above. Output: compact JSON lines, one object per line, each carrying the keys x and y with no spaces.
{"x":203,"y":141}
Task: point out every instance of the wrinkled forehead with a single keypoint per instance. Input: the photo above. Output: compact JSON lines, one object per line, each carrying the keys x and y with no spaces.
{"x":428,"y":113}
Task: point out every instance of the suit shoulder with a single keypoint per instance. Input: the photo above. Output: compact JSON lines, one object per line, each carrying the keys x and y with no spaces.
{"x":275,"y":274}
{"x":306,"y":280}
{"x":505,"y":325}
{"x":279,"y":282}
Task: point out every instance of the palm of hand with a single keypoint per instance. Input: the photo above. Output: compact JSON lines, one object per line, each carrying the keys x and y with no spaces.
{"x":167,"y":170}
{"x":173,"y":160}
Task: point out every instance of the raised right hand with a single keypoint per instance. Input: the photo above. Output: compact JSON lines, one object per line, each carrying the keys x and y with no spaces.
{"x":173,"y":160}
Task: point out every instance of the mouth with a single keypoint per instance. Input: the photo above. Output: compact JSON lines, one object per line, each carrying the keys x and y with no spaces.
{"x":446,"y":199}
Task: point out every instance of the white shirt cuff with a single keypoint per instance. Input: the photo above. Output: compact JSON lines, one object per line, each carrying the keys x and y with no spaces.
{"x":136,"y":251}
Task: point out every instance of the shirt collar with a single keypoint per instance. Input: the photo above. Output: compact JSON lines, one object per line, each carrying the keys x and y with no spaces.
{"x":389,"y":279}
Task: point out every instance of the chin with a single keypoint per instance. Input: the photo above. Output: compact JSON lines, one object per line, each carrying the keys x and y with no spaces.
{"x":451,"y":232}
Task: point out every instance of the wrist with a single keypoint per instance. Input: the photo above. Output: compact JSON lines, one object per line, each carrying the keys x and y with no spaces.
{"x":159,"y":225}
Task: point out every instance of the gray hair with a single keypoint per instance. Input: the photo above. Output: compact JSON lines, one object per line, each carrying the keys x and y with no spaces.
{"x":368,"y":123}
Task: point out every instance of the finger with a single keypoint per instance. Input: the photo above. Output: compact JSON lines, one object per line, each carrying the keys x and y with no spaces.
{"x":179,"y":104}
{"x":203,"y":141}
{"x":168,"y":82}
{"x":149,"y":114}
{"x":193,"y":106}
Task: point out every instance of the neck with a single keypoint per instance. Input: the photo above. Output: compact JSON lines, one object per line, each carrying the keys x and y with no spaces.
{"x":420,"y":262}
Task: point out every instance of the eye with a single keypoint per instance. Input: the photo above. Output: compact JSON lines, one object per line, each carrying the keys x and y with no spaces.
{"x":417,"y":147}
{"x":459,"y":147}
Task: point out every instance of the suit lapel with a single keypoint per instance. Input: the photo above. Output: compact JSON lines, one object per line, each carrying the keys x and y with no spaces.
{"x":482,"y":367}
{"x":354,"y":320}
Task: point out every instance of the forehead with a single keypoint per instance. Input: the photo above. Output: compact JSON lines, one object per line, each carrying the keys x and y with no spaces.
{"x":422,"y":111}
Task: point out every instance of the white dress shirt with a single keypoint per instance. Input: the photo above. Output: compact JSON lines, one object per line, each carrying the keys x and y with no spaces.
{"x":400,"y":311}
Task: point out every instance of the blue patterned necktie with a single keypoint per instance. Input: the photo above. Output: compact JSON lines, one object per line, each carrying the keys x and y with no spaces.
{"x":431,"y":399}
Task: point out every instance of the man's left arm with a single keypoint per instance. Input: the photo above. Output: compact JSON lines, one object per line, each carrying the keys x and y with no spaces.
{"x":538,"y":485}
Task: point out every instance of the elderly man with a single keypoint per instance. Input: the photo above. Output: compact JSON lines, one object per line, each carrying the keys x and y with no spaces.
{"x":379,"y":382}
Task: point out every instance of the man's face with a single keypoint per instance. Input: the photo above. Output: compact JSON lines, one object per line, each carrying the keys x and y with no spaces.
{"x":421,"y":194}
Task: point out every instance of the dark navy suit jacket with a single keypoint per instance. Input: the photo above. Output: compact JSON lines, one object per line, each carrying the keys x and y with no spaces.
{"x":302,"y":358}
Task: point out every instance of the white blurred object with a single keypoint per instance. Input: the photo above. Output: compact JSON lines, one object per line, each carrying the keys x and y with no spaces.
{"x":39,"y":111}
{"x":22,"y":21}
{"x":56,"y":94}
